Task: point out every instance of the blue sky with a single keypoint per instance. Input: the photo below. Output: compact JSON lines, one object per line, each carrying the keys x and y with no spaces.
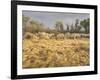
{"x":49,"y":18}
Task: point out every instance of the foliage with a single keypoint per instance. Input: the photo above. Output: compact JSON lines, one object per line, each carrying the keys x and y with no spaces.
{"x":59,"y":26}
{"x":33,"y":26}
{"x":25,"y":19}
{"x":86,"y":24}
{"x":67,"y":29}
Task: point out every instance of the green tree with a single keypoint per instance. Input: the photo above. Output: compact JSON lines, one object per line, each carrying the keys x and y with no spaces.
{"x":88,"y":25}
{"x":85,"y":24}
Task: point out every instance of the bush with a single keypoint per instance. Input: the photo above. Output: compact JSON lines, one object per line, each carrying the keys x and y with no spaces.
{"x":28,"y":35}
{"x":60,"y":36}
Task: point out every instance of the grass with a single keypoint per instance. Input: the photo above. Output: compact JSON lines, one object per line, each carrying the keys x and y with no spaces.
{"x":38,"y":53}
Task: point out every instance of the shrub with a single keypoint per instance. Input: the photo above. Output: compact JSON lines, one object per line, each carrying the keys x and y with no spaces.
{"x":60,"y":36}
{"x":28,"y":35}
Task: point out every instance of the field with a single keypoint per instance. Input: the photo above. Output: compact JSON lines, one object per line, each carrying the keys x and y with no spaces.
{"x":40,"y":53}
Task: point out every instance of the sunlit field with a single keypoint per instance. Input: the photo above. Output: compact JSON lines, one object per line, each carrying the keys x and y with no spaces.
{"x":55,"y":39}
{"x":40,"y":53}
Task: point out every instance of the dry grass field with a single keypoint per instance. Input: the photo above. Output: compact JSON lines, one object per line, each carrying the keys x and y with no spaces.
{"x":40,"y":53}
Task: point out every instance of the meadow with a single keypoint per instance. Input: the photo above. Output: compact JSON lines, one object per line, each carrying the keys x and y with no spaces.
{"x":42,"y":52}
{"x":52,"y":42}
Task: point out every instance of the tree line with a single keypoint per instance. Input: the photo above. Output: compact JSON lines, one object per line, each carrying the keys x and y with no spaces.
{"x":79,"y":26}
{"x":35,"y":26}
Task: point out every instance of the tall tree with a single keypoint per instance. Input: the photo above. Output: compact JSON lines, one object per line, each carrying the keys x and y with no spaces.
{"x":25,"y":19}
{"x":77,"y":27}
{"x":72,"y":29}
{"x":59,"y":26}
{"x":67,"y":29}
{"x":36,"y":26}
{"x":85,"y":24}
{"x":88,"y":25}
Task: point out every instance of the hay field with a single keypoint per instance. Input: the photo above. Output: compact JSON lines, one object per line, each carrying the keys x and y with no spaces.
{"x":41,"y":53}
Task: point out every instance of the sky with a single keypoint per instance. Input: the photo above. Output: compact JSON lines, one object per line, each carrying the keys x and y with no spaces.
{"x":49,"y":18}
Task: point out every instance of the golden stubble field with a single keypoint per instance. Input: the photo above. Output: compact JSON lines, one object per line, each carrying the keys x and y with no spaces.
{"x":41,"y":53}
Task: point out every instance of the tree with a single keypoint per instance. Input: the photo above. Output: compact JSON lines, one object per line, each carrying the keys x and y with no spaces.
{"x":36,"y":26}
{"x":88,"y":25}
{"x":77,"y":27}
{"x":59,"y":26}
{"x":76,"y":23}
{"x":25,"y":19}
{"x":67,"y":29}
{"x":72,"y":28}
{"x":85,"y":24}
